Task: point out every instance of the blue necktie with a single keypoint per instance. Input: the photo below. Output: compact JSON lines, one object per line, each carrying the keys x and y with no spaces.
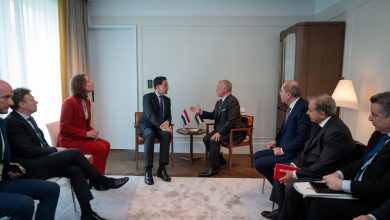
{"x":161,"y":119}
{"x":371,"y":154}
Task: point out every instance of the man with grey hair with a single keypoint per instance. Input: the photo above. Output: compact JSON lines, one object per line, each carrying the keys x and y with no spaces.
{"x":366,"y":178}
{"x":290,"y":140}
{"x":329,"y":145}
{"x":227,"y":116}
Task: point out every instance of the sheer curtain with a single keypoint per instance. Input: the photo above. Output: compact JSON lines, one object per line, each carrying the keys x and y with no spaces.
{"x":29,"y":52}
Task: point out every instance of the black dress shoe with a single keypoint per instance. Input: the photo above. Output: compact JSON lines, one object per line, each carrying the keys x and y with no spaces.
{"x":162,"y":173}
{"x":208,"y":173}
{"x":93,"y":216}
{"x":116,"y":183}
{"x":222,"y":160}
{"x":97,"y":185}
{"x":270,"y":214}
{"x":149,"y":178}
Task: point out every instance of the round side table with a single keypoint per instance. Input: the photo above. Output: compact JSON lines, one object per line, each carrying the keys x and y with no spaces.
{"x":191,"y":132}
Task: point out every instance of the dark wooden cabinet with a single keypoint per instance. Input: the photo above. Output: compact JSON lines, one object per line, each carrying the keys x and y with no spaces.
{"x":312,"y":54}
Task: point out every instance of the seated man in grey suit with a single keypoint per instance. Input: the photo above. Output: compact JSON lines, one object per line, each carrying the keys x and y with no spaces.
{"x":329,"y":144}
{"x":156,"y":123}
{"x":291,"y":138}
{"x":226,"y":115}
{"x":366,"y":178}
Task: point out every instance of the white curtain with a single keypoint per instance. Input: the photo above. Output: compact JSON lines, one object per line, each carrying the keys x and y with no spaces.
{"x":29,"y":52}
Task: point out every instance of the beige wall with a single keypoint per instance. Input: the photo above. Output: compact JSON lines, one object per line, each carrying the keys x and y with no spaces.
{"x":366,"y":58}
{"x":194,"y":52}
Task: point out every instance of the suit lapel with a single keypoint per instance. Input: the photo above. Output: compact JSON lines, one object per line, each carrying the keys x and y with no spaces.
{"x":319,"y":134}
{"x":165,"y":99}
{"x":316,"y":135}
{"x":223,"y":104}
{"x":384,"y":150}
{"x":155,"y":102}
{"x":6,"y":156}
{"x":30,"y":129}
{"x":292,"y":114}
{"x":218,"y":107}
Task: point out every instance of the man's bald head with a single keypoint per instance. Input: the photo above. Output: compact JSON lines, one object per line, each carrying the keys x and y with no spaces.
{"x":5,"y":97}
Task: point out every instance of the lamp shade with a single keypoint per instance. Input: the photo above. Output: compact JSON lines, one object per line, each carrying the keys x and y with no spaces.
{"x":345,"y":95}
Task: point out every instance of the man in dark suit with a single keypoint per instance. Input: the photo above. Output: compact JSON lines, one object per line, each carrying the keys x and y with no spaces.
{"x":17,"y":195}
{"x":156,"y":123}
{"x":30,"y":149}
{"x":329,"y":144}
{"x":367,"y":178}
{"x":226,"y":115}
{"x":291,"y":138}
{"x":381,"y":213}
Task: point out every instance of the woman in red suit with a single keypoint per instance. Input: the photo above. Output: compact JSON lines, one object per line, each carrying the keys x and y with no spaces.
{"x":75,"y":128}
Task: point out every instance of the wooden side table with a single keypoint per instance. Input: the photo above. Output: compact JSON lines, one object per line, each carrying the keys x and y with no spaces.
{"x":191,"y":132}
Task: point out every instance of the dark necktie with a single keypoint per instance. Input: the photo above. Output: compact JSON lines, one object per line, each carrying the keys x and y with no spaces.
{"x":371,"y":154}
{"x":38,"y":132}
{"x":220,"y":107}
{"x":161,"y":119}
{"x":317,"y":130}
{"x":287,"y":114}
{"x":1,"y":147}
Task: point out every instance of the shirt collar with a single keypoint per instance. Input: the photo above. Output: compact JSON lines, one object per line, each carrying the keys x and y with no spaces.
{"x":223,"y":98}
{"x":291,"y":106}
{"x":158,"y":95}
{"x":323,"y":123}
{"x":23,"y":115}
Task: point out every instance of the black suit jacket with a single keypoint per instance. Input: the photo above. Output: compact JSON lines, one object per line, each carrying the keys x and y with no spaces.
{"x":6,"y":157}
{"x":225,"y":117}
{"x":375,"y":184}
{"x":295,"y":131}
{"x":325,"y":150}
{"x":26,"y":148}
{"x":383,"y":212}
{"x":151,"y":111}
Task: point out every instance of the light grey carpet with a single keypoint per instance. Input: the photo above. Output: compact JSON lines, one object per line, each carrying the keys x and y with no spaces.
{"x":183,"y":198}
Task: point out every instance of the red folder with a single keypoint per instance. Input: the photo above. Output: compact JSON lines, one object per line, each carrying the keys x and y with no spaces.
{"x":279,"y":166}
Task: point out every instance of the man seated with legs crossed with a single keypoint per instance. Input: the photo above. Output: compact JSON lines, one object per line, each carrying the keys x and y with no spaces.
{"x":30,"y":149}
{"x":329,"y":144}
{"x":366,"y":178}
{"x":226,"y":116}
{"x":290,"y":140}
{"x":17,"y":195}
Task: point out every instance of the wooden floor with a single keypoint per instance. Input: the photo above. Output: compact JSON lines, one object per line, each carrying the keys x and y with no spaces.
{"x":122,"y":162}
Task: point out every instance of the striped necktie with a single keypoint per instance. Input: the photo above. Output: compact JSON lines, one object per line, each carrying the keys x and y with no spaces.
{"x":371,"y":155}
{"x":38,"y":132}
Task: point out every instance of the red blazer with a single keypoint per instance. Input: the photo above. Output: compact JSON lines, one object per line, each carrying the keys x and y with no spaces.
{"x":73,"y":126}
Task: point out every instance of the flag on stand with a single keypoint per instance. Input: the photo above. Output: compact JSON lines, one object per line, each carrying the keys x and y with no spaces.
{"x":184,"y":117}
{"x":198,"y":119}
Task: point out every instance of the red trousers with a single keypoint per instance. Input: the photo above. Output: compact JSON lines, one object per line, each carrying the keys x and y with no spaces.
{"x":99,"y":150}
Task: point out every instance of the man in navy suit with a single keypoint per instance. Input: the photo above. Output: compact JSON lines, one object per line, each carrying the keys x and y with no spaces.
{"x":226,"y":115}
{"x":367,"y":178}
{"x":156,"y":123}
{"x":291,"y":138}
{"x":381,"y":213}
{"x":17,"y":195}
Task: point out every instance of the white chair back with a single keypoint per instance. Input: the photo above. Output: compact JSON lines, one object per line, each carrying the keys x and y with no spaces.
{"x":54,"y":131}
